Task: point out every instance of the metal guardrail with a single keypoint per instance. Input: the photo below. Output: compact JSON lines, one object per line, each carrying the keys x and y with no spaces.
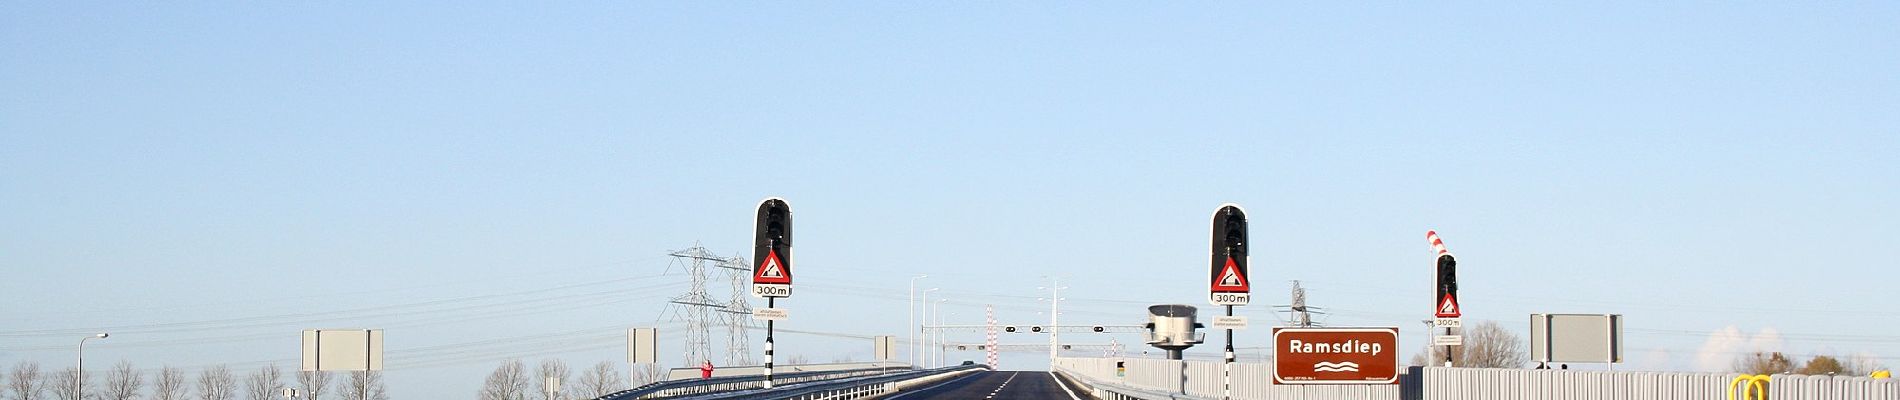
{"x":844,"y":389}
{"x":832,"y":384}
{"x":685,"y":387}
{"x":756,"y":370}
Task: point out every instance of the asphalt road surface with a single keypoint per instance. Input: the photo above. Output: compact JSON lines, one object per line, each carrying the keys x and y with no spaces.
{"x":998,"y":385}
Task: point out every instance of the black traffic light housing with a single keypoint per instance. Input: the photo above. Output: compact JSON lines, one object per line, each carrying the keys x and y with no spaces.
{"x":773,"y":233}
{"x":1230,"y":241}
{"x":1447,"y":278}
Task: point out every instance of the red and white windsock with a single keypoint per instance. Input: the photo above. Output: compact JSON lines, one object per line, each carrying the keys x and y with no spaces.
{"x":1438,"y":245}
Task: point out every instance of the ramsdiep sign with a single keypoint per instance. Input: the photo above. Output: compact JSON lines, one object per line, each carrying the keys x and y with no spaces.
{"x":1335,"y":355}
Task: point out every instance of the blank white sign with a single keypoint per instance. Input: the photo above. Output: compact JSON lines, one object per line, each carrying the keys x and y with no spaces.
{"x":342,"y":350}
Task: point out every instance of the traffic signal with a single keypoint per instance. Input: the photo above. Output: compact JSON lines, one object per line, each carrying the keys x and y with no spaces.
{"x":772,"y":246}
{"x":1447,"y":278}
{"x":1098,"y":329}
{"x":1035,"y":329}
{"x":1227,"y":273}
{"x":1010,"y":329}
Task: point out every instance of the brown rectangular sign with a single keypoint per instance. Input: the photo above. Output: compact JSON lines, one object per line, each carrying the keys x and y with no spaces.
{"x":1335,"y":356}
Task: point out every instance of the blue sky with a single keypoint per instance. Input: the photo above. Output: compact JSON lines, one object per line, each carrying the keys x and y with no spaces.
{"x":459,"y":174}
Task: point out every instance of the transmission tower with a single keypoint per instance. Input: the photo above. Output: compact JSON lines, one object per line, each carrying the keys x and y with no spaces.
{"x":695,"y":304}
{"x":738,"y":311}
{"x":1298,"y":313}
{"x":1301,"y":318}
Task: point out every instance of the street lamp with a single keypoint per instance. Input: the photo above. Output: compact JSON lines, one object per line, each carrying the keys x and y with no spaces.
{"x":910,"y":318}
{"x":1055,"y":299}
{"x":926,"y":309}
{"x":938,"y":354}
{"x":79,"y":369}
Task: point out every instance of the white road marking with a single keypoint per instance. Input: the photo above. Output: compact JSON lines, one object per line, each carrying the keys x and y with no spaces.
{"x":900,"y":395}
{"x":1065,"y":387}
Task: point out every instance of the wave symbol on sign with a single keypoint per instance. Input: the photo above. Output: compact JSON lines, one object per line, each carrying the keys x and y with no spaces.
{"x":1344,"y":366}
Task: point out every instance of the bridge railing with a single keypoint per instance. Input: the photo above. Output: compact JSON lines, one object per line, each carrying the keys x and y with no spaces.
{"x":863,"y":387}
{"x":834,"y":384}
{"x":755,"y":370}
{"x":1145,"y":377}
{"x":717,"y":384}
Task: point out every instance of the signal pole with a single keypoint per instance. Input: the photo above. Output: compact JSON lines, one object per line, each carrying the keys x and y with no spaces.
{"x":772,"y":277}
{"x":1229,"y":287}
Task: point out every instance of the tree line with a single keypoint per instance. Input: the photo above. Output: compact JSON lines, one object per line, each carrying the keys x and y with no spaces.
{"x":28,"y":381}
{"x":1769,"y":363}
{"x":1489,"y":345}
{"x":510,"y":381}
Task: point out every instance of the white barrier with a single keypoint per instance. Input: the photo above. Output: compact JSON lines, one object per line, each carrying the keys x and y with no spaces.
{"x":1253,"y":381}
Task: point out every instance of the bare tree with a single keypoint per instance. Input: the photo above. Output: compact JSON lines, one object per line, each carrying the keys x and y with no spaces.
{"x":1765,"y":363}
{"x":171,"y":385}
{"x":647,"y":373}
{"x":26,"y":383}
{"x":364,"y":385}
{"x":63,"y":385}
{"x":1487,"y":345}
{"x":509,"y":381}
{"x":1862,"y":364}
{"x":600,"y":380}
{"x":216,"y":383}
{"x":797,"y":360}
{"x":557,"y":369}
{"x":123,"y":382}
{"x":263,"y":383}
{"x":314,"y":383}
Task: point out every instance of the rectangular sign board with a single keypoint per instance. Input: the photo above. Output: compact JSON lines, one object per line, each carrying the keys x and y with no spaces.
{"x":1229,"y":299}
{"x":1335,"y":356}
{"x":1448,"y":340}
{"x":643,"y":346}
{"x":886,"y":348}
{"x":1230,"y":323}
{"x":342,"y":350}
{"x":1579,"y":338}
{"x":771,"y":290}
{"x":1447,"y":323}
{"x":769,"y":314}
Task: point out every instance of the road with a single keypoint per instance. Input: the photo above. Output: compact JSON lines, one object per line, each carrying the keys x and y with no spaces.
{"x":998,"y":385}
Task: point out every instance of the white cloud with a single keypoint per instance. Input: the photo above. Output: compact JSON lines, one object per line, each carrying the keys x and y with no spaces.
{"x":1719,"y":351}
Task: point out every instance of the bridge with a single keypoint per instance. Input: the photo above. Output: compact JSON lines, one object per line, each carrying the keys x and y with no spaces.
{"x":1349,"y":363}
{"x":1162,"y":379}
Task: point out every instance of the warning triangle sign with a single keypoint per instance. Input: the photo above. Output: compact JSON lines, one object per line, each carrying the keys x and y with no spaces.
{"x":771,"y":270}
{"x":1230,"y":279}
{"x":1448,"y":308}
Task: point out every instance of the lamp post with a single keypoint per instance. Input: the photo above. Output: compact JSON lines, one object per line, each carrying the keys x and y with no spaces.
{"x":79,"y":369}
{"x":920,"y":328}
{"x":937,"y":358}
{"x":1055,"y":299}
{"x":910,"y":318}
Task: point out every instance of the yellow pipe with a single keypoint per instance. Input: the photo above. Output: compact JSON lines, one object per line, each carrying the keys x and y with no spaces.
{"x":1754,"y":384}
